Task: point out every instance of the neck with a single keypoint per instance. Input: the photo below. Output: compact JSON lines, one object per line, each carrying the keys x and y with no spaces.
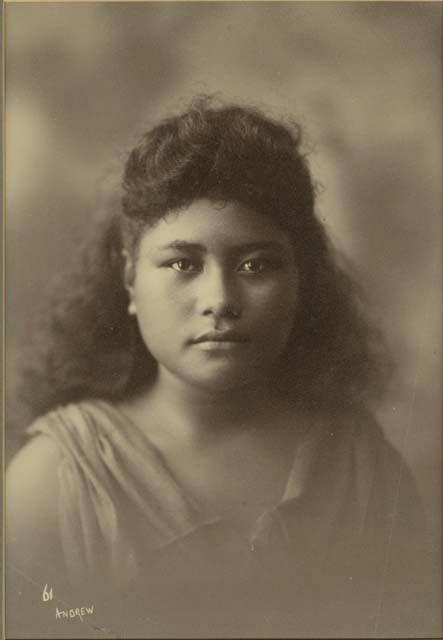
{"x":200,"y":414}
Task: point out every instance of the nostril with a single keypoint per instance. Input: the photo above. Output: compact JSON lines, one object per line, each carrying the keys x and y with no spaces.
{"x":233,"y":312}
{"x":223,"y":311}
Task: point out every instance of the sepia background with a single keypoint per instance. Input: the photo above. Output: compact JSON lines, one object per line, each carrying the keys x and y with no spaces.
{"x":364,"y":79}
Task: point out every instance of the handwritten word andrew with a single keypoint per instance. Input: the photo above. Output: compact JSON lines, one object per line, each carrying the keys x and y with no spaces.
{"x":79,"y":612}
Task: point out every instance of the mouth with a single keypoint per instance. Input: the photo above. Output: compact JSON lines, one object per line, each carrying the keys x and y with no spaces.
{"x":220,"y":341}
{"x":220,"y":336}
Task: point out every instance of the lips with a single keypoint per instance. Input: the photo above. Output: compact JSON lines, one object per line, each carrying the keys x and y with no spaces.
{"x":231,"y":337}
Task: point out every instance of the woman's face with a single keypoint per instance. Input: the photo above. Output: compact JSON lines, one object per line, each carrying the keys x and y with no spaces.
{"x":215,"y":291}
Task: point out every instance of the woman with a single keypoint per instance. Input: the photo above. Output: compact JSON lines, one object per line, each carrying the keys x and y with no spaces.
{"x":205,"y":461}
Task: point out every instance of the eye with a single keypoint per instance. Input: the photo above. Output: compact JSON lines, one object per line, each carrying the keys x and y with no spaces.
{"x":184,"y":265}
{"x":255,"y":265}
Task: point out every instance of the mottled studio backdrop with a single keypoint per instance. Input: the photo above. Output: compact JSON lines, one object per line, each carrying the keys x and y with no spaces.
{"x":364,"y":79}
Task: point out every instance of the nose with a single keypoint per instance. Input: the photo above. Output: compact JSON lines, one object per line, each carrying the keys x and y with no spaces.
{"x":218,"y":295}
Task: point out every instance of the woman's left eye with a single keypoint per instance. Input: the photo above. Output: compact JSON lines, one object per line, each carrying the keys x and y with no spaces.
{"x":254,"y":265}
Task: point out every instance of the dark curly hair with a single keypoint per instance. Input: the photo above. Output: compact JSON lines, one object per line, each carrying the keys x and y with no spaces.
{"x":91,"y":347}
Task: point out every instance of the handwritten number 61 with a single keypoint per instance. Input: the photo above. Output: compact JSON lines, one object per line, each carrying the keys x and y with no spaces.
{"x":47,"y":595}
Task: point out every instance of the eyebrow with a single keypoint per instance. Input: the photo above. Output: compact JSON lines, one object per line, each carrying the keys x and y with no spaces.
{"x":183,"y":245}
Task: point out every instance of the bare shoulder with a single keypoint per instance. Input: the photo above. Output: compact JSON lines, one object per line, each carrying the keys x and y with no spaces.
{"x":31,"y":475}
{"x":31,"y":498}
{"x":35,"y":562}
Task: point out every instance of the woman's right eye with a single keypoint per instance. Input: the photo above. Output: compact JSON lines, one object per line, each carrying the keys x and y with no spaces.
{"x":184,"y":265}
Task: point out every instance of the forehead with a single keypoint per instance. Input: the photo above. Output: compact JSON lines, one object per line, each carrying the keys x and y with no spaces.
{"x":214,"y":225}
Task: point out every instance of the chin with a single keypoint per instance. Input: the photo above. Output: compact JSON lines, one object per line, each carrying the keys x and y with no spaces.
{"x":226,"y":381}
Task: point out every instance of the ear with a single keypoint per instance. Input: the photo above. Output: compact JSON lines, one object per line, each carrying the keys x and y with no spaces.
{"x":128,"y":271}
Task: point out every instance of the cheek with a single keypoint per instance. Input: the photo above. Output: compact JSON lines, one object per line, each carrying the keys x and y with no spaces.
{"x":152,"y":307}
{"x":162,"y":311}
{"x":273,"y":307}
{"x":155,"y":295}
